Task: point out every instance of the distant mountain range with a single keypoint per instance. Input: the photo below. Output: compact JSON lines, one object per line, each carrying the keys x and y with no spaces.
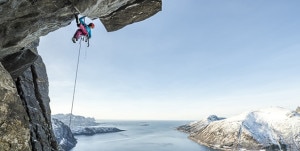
{"x":76,"y":120}
{"x":79,"y":126}
{"x":269,"y":129}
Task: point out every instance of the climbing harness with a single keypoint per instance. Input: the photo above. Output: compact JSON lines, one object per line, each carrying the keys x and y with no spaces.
{"x":78,"y":59}
{"x":86,"y":39}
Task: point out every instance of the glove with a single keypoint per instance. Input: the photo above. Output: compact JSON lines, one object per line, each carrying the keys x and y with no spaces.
{"x":77,"y":20}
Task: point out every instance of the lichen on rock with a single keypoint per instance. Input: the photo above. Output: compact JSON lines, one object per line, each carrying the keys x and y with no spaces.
{"x":14,"y":123}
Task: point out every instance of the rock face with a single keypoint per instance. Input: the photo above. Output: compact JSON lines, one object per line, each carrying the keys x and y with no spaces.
{"x":14,"y":122}
{"x":33,"y":91}
{"x":270,"y":129}
{"x":24,"y":21}
{"x":130,"y":13}
{"x":25,"y":122}
{"x":63,"y":134}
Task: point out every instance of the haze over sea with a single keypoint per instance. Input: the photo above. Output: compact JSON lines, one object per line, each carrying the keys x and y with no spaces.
{"x":140,"y":136}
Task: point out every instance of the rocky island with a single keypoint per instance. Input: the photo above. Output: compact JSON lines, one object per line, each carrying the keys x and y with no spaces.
{"x":268,"y":129}
{"x":84,"y":125}
{"x":64,"y":135}
{"x":79,"y":126}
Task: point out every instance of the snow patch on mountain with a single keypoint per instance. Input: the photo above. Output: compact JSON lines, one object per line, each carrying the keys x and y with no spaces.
{"x":272,"y":128}
{"x":63,"y":135}
{"x":81,"y":125}
{"x":198,"y":125}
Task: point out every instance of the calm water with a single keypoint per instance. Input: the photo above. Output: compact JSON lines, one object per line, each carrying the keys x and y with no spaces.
{"x":140,"y":136}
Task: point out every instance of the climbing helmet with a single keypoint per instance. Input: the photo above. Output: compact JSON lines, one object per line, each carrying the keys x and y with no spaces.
{"x":92,"y":25}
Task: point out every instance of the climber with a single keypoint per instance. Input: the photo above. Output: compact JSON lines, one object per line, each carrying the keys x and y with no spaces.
{"x":84,"y":29}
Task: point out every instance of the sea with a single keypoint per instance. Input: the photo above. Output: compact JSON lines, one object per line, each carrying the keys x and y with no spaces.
{"x":140,"y":136}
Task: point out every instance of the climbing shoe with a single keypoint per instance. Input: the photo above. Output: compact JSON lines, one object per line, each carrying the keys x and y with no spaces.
{"x":74,"y":40}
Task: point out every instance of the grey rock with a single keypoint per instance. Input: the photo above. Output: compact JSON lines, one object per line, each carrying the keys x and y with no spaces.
{"x":298,"y":110}
{"x":63,"y":134}
{"x":130,"y":13}
{"x":23,"y":22}
{"x":14,"y":122}
{"x":33,"y":90}
{"x":18,"y":62}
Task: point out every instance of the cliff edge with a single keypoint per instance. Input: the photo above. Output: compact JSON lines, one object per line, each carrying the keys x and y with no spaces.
{"x":25,"y":122}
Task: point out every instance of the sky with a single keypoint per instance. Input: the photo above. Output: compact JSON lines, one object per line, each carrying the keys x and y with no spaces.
{"x":192,"y":59}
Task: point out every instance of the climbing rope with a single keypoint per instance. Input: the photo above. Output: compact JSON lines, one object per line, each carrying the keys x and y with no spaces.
{"x":75,"y":82}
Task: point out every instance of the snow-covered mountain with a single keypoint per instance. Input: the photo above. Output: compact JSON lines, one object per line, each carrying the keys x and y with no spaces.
{"x":198,"y":125}
{"x":298,"y":109}
{"x":269,"y":129}
{"x":81,"y":125}
{"x":63,"y":135}
{"x":76,"y":120}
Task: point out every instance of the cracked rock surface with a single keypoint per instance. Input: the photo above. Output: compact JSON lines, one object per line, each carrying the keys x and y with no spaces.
{"x":25,"y":122}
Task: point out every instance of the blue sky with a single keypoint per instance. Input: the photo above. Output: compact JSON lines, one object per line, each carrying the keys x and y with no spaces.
{"x":192,"y":59}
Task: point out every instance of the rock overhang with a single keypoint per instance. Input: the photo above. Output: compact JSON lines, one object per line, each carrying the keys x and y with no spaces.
{"x":24,"y":21}
{"x":116,"y":14}
{"x":26,"y":114}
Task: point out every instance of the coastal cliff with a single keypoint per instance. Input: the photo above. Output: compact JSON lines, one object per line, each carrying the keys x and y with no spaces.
{"x":81,"y":125}
{"x":25,"y":122}
{"x":268,"y":129}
